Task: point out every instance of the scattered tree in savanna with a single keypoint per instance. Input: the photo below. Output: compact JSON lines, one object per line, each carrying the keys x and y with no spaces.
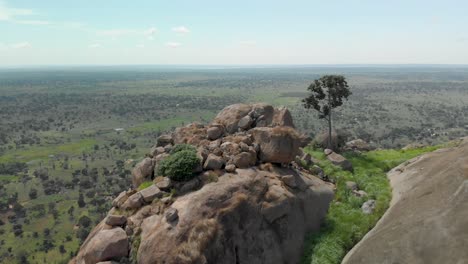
{"x":327,"y":93}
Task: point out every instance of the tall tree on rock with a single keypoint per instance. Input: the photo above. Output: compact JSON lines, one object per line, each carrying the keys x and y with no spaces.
{"x":327,"y":93}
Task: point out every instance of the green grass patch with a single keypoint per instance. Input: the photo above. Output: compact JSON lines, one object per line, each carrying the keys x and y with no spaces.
{"x":145,"y":185}
{"x":345,"y":224}
{"x":43,"y":152}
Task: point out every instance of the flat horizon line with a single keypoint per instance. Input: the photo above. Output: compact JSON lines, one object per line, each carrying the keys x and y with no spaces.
{"x":232,"y":66}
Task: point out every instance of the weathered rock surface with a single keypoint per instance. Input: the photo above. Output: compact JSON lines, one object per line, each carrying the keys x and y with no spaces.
{"x":150,"y":193}
{"x":106,"y":244}
{"x":213,"y":162}
{"x":143,"y":171}
{"x":246,"y":217}
{"x":116,"y":220}
{"x":214,"y":132}
{"x":277,"y":144}
{"x":427,"y":221}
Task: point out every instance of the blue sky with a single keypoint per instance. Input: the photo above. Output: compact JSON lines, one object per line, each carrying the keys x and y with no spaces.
{"x":110,"y":32}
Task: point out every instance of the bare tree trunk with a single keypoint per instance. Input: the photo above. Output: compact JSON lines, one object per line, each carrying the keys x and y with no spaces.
{"x":329,"y":123}
{"x":330,"y":130}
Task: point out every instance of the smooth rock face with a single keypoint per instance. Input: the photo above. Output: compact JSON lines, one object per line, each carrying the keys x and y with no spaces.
{"x":105,"y":245}
{"x":143,"y":171}
{"x":428,"y":216}
{"x":246,"y":217}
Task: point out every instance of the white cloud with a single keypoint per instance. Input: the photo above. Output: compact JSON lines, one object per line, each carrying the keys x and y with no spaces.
{"x":149,"y":33}
{"x":8,"y":14}
{"x":181,"y":30}
{"x":140,"y":46}
{"x":21,"y":45}
{"x":248,"y":42}
{"x":94,"y":46}
{"x":173,"y":44}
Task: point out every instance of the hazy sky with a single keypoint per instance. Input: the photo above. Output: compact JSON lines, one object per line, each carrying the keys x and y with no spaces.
{"x":44,"y":32}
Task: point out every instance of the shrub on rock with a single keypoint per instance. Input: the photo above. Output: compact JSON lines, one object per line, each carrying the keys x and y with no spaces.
{"x":181,"y":147}
{"x":180,"y":164}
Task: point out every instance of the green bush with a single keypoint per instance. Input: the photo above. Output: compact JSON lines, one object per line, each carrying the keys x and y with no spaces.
{"x":181,"y":147}
{"x":180,"y":164}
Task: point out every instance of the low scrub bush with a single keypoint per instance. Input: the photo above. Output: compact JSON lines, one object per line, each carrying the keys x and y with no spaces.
{"x":180,"y":164}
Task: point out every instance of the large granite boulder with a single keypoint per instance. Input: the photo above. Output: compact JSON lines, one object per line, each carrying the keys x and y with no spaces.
{"x":249,"y":217}
{"x":106,"y":244}
{"x":277,"y":144}
{"x":229,"y":117}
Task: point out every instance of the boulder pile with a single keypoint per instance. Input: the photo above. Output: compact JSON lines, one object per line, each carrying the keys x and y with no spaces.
{"x":245,"y":204}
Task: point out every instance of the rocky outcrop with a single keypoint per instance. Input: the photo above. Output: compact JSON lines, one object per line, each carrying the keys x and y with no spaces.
{"x":247,"y":201}
{"x":247,"y":217}
{"x":428,"y":216}
{"x":241,"y":135}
